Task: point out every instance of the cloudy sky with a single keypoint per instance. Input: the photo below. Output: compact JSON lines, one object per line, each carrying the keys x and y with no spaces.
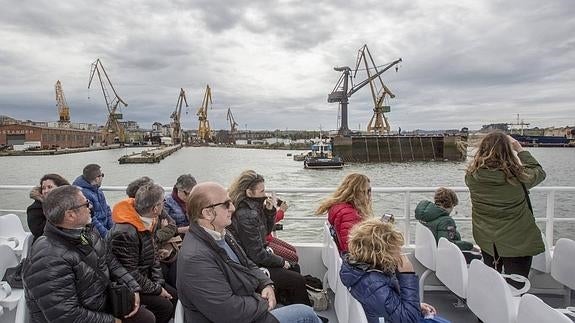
{"x":465,"y":62}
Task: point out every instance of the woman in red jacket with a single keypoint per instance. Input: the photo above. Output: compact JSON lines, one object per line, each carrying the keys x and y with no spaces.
{"x":348,"y":205}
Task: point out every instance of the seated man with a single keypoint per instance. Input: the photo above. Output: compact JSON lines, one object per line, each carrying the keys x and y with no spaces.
{"x":216,"y":280}
{"x":175,"y":202}
{"x":61,"y":281}
{"x":90,"y":182}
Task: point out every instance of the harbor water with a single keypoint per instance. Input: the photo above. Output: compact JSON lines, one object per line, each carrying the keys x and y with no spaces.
{"x":280,"y":171}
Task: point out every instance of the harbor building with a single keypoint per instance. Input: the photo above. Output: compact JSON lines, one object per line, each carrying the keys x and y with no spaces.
{"x":47,"y":137}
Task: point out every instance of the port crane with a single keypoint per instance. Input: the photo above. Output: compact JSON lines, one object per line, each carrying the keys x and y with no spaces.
{"x":204,"y":131}
{"x":113,"y":130}
{"x":519,"y":123}
{"x":342,"y":91}
{"x":176,"y":124}
{"x":63,"y":108}
{"x":233,"y":126}
{"x":379,"y":93}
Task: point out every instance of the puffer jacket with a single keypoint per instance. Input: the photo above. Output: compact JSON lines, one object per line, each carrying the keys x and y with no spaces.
{"x":214,"y":288}
{"x":440,"y":223}
{"x":101,"y":213}
{"x":175,"y":211}
{"x":251,"y":223}
{"x":35,"y":215}
{"x":500,"y":213}
{"x":61,"y":287}
{"x":343,"y":216}
{"x":393,"y":297}
{"x":134,"y":247}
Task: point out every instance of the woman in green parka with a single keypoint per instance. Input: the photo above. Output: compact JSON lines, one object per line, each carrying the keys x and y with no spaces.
{"x":498,"y":178}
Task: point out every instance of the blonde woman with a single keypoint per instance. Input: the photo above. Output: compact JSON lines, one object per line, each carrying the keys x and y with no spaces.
{"x":499,"y":177}
{"x":348,"y":205}
{"x":380,"y":277}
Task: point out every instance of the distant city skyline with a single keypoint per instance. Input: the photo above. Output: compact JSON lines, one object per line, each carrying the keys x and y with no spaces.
{"x":465,"y":63}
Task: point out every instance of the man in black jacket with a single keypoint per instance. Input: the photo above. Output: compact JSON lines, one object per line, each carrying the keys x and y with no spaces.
{"x":60,"y":280}
{"x":216,"y":280}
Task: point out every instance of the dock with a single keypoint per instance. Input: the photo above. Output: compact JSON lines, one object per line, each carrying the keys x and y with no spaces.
{"x":149,"y":156}
{"x":59,"y":151}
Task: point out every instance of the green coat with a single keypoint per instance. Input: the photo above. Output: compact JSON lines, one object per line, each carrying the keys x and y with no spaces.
{"x":440,"y":223}
{"x":500,"y":213}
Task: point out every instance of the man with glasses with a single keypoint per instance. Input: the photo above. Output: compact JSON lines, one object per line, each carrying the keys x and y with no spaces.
{"x":61,"y":282}
{"x":175,"y":202}
{"x":90,"y":182}
{"x":216,"y":281}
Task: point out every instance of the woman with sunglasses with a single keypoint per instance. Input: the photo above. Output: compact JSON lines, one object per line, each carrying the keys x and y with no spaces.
{"x":35,"y":214}
{"x":347,"y":206}
{"x":252,"y":221}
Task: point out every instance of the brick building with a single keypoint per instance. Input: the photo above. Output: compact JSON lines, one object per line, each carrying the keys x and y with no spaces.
{"x":17,"y":134}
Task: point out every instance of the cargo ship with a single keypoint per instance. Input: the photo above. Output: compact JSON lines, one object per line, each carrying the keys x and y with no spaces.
{"x":543,"y":141}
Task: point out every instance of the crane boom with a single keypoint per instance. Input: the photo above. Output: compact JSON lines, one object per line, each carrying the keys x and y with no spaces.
{"x":204,"y":131}
{"x":113,"y":130}
{"x":63,"y":108}
{"x":176,"y":124}
{"x":233,"y":126}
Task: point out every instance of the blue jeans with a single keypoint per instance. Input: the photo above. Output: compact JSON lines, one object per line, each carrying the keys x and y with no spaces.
{"x":296,"y":313}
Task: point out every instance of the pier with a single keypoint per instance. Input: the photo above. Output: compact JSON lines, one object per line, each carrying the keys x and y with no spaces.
{"x":149,"y":156}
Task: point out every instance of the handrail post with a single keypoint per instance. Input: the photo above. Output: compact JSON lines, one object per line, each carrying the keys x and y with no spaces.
{"x":550,"y":215}
{"x":407,"y":213}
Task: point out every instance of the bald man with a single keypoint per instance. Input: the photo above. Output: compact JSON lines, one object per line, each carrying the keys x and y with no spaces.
{"x":216,"y":280}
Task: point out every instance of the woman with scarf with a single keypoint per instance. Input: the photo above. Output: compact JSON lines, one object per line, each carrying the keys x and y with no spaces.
{"x":175,"y":202}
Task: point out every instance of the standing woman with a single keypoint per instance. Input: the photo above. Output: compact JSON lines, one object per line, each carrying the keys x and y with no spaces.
{"x":347,"y":206}
{"x":499,"y":177}
{"x":252,"y":221}
{"x":35,"y":214}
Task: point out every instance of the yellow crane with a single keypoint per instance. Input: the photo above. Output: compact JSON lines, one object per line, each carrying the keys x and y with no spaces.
{"x":113,"y":130}
{"x":204,"y":131}
{"x":379,"y":92}
{"x":176,"y":124}
{"x":63,"y":108}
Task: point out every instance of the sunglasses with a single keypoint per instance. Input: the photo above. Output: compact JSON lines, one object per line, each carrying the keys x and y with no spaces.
{"x":225,"y":203}
{"x":101,"y":175}
{"x":86,"y":204}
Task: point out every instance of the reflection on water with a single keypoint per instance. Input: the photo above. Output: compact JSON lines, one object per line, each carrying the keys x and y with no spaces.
{"x":223,"y":164}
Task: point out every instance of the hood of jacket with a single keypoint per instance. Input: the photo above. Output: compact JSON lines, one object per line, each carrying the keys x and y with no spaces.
{"x":125,"y":212}
{"x":81,"y":182}
{"x":351,"y":274}
{"x":427,"y":211}
{"x":492,"y":176}
{"x":36,"y":194}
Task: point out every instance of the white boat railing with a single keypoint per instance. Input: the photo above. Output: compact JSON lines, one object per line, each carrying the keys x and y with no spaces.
{"x":407,"y":219}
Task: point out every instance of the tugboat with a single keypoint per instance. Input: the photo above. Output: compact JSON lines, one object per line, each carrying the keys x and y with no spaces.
{"x":321,"y":157}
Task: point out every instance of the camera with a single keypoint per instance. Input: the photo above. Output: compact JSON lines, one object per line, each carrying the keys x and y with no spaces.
{"x":279,"y":202}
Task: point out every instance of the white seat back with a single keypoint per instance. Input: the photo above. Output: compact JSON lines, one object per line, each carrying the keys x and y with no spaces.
{"x":22,"y":313}
{"x":542,"y":261}
{"x":563,"y":262}
{"x":7,"y":259}
{"x":11,"y":227}
{"x":179,"y":314}
{"x":342,"y":296}
{"x":489,"y":296}
{"x":534,"y":310}
{"x":451,"y":268}
{"x":335,"y":262}
{"x":325,"y":252}
{"x":425,"y":246}
{"x":356,"y":312}
{"x":27,"y":246}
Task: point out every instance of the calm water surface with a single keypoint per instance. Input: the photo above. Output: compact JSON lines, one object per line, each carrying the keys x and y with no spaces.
{"x":223,"y":164}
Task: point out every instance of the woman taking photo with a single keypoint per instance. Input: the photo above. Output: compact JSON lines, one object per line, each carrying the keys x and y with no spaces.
{"x":35,"y":214}
{"x":499,"y":177}
{"x":380,"y":277}
{"x":252,"y":221}
{"x":348,"y":205}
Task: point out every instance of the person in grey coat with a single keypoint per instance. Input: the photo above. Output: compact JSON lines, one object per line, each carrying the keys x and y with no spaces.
{"x":216,"y":281}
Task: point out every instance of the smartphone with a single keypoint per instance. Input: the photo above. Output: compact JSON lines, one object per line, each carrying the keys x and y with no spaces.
{"x":279,"y":202}
{"x":387,"y":218}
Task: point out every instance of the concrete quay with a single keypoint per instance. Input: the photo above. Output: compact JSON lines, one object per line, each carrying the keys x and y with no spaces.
{"x":149,"y":156}
{"x":61,"y":151}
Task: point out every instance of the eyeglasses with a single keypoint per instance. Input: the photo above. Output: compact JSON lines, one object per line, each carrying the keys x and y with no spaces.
{"x":225,"y":203}
{"x":86,"y":204}
{"x":101,"y":175}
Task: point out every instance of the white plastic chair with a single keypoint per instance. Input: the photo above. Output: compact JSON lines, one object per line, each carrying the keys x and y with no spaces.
{"x":489,"y":296}
{"x":563,"y":266}
{"x":425,"y":253}
{"x":542,"y":261}
{"x":22,"y":313}
{"x":335,"y":266}
{"x":179,"y":313}
{"x":533,"y":310}
{"x":356,"y":312}
{"x":327,"y":256}
{"x":27,"y":246}
{"x":8,"y":259}
{"x":342,"y":296}
{"x":11,"y":227}
{"x":451,"y":268}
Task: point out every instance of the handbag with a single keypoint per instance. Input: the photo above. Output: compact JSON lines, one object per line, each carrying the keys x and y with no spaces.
{"x":120,"y":299}
{"x":318,"y":298}
{"x":171,"y":248}
{"x":13,"y":276}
